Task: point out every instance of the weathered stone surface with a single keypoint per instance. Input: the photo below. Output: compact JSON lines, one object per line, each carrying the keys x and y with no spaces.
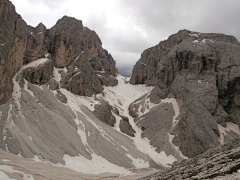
{"x":53,"y":84}
{"x":64,"y":40}
{"x":125,"y":127}
{"x":40,"y":74}
{"x":185,"y":50}
{"x":80,"y":49}
{"x":61,"y":97}
{"x":106,"y":79}
{"x":103,"y":112}
{"x":13,"y":45}
{"x":200,"y":70}
{"x":219,"y":163}
{"x":80,"y":78}
{"x":18,"y":46}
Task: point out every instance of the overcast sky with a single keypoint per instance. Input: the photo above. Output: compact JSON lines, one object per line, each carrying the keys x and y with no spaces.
{"x":127,"y":27}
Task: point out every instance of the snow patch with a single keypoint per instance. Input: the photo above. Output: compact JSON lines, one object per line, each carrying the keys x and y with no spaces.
{"x":233,"y":127}
{"x":96,"y":165}
{"x":26,"y":88}
{"x":117,"y":124}
{"x":30,"y":137}
{"x":138,"y":163}
{"x":5,"y":160}
{"x":47,"y":55}
{"x":126,"y":94}
{"x":143,"y":63}
{"x":203,"y":41}
{"x":196,"y":35}
{"x":4,"y":176}
{"x":9,"y":169}
{"x":176,"y":147}
{"x":229,"y":127}
{"x":222,"y":131}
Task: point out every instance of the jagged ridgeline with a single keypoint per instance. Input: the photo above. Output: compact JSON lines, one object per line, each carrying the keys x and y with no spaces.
{"x":62,"y":100}
{"x":68,"y":43}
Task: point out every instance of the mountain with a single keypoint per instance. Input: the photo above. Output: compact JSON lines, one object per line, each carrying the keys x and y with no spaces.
{"x":198,"y":74}
{"x":65,"y":108}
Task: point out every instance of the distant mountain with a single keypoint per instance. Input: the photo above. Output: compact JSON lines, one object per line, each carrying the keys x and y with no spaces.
{"x":63,"y":103}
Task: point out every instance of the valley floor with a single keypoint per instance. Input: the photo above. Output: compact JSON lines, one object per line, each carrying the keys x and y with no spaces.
{"x":14,"y":167}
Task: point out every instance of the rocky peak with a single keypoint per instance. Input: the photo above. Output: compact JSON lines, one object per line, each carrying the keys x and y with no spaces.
{"x":64,"y":40}
{"x":201,"y":71}
{"x":41,"y":28}
{"x":68,"y":43}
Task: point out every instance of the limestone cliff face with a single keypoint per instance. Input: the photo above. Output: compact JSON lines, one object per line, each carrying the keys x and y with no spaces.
{"x":16,"y":47}
{"x":89,"y":66}
{"x":202,"y":71}
{"x":68,"y":43}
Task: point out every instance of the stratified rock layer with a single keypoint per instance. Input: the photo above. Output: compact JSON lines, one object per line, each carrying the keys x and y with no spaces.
{"x":219,"y":163}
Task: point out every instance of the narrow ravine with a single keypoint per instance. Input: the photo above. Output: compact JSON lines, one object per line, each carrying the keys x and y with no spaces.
{"x":126,"y":94}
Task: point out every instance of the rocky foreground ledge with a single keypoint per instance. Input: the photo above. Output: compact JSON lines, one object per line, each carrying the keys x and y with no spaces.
{"x":219,"y":163}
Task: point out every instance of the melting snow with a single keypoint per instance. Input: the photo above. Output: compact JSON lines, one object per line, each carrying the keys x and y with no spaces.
{"x":96,"y":165}
{"x":143,"y":63}
{"x":194,"y":35}
{"x":9,"y":169}
{"x":30,"y":137}
{"x":138,"y":163}
{"x":127,"y":93}
{"x":26,"y":88}
{"x":16,"y":87}
{"x":5,"y":160}
{"x":229,"y":127}
{"x":79,"y":163}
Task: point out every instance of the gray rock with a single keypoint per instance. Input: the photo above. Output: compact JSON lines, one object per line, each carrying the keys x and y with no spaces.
{"x":103,"y":112}
{"x":64,"y":42}
{"x":40,"y":74}
{"x":125,"y":127}
{"x":200,"y":70}
{"x":18,"y":46}
{"x":218,"y":163}
{"x":53,"y":84}
{"x":158,"y":93}
{"x":61,"y":97}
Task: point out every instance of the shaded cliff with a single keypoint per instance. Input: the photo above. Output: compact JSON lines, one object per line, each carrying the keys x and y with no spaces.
{"x":201,"y":71}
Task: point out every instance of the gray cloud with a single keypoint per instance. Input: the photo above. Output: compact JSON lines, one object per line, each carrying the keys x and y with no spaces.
{"x":168,"y":17}
{"x":52,"y":4}
{"x":158,"y":19}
